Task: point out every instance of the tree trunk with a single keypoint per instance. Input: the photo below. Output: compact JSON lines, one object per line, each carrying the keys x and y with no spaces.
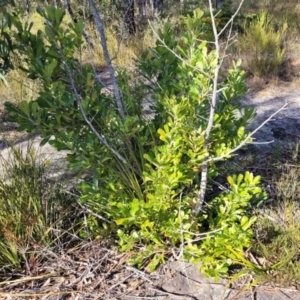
{"x":27,"y":6}
{"x":129,"y":16}
{"x":142,"y":9}
{"x":219,"y":3}
{"x":158,"y":6}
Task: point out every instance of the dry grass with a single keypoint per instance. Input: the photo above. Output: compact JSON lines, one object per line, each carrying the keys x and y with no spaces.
{"x":19,"y":88}
{"x":123,"y":50}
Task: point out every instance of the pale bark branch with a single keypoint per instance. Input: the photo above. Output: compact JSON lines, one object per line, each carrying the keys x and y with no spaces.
{"x":213,"y":102}
{"x":176,"y":55}
{"x":101,"y":31}
{"x":246,"y":140}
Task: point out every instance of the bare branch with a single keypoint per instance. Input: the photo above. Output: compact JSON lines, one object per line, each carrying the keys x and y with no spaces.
{"x":204,"y":167}
{"x":78,"y":97}
{"x":101,"y":31}
{"x":231,"y":19}
{"x":176,"y":55}
{"x":246,"y":140}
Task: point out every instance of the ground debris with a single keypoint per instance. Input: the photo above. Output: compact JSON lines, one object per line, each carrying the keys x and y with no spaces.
{"x":90,"y":270}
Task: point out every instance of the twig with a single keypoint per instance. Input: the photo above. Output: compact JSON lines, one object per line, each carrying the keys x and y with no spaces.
{"x":120,"y":282}
{"x":172,"y":294}
{"x":100,"y":137}
{"x":139,"y":272}
{"x":94,"y":214}
{"x":178,"y":56}
{"x":231,"y":19}
{"x":245,"y":141}
{"x":202,"y":191}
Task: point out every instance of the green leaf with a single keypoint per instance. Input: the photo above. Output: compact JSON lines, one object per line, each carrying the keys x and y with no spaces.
{"x":154,"y":263}
{"x":230,"y":180}
{"x":244,"y":220}
{"x":123,"y":221}
{"x":162,"y":134}
{"x":240,"y":179}
{"x":45,"y":140}
{"x":48,"y":71}
{"x":134,"y":207}
{"x":25,"y":108}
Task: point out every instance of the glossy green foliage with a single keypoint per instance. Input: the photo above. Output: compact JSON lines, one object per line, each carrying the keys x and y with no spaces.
{"x":147,"y":199}
{"x":229,"y":232}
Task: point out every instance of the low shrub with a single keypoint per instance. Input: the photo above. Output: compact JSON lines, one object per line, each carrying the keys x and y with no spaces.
{"x":261,"y":46}
{"x":146,"y":172}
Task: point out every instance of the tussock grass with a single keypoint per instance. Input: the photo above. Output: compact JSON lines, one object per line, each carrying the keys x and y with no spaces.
{"x":283,"y":54}
{"x":31,"y":208}
{"x":261,"y":46}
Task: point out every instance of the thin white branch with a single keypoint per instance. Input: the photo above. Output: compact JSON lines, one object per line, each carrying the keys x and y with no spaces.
{"x":176,"y":55}
{"x":246,"y":140}
{"x":100,"y":137}
{"x":231,"y":19}
{"x":213,"y":102}
{"x":93,"y":213}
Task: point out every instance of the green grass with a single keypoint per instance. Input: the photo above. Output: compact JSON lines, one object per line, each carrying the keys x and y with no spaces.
{"x":31,"y":208}
{"x":261,"y":46}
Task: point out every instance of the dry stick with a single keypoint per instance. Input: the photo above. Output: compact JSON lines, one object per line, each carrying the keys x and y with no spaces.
{"x":120,"y":282}
{"x":37,"y":294}
{"x":93,"y":213}
{"x":25,"y":279}
{"x":101,"y":138}
{"x":214,"y":159}
{"x":231,"y":19}
{"x":100,"y":29}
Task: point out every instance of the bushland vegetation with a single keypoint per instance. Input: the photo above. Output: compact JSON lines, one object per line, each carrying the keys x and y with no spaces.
{"x":151,"y":187}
